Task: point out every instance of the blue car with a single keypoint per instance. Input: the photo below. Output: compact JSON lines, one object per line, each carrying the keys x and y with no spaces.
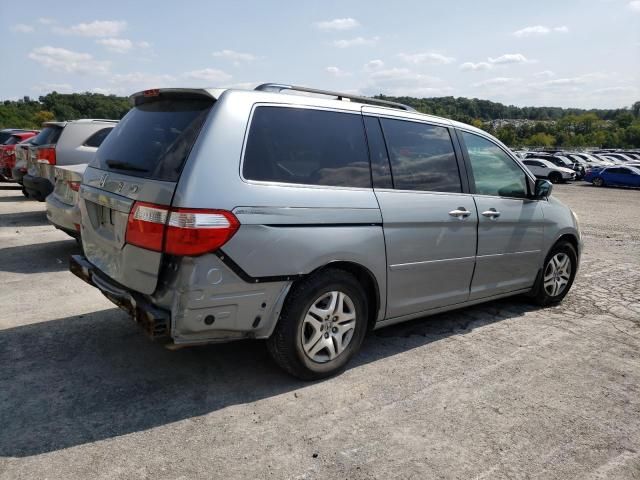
{"x":622,"y":176}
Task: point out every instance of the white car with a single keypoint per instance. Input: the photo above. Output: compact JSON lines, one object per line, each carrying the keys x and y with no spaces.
{"x":545,"y":169}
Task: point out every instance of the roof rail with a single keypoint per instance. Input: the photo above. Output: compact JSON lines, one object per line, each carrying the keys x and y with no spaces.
{"x":278,"y":87}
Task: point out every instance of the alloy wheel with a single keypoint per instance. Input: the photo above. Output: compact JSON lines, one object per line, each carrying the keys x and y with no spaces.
{"x":328,"y":326}
{"x":557,"y":274}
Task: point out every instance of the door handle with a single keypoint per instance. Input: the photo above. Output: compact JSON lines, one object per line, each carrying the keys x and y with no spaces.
{"x":491,"y":213}
{"x":460,"y":213}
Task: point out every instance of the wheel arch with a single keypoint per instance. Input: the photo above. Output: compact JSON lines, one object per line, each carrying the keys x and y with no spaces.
{"x":368,"y":281}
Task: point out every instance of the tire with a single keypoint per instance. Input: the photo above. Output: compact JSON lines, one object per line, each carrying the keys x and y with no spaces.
{"x":547,"y":291}
{"x":299,"y":321}
{"x":598,"y":182}
{"x":25,"y":193}
{"x":555,"y":177}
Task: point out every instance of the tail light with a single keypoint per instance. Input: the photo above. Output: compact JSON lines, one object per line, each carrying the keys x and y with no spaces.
{"x":179,"y":231}
{"x":47,"y":154}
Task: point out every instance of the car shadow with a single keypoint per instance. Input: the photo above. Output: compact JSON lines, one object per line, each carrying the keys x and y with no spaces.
{"x":92,"y":377}
{"x":12,"y":198}
{"x":38,"y":257}
{"x":35,"y":218}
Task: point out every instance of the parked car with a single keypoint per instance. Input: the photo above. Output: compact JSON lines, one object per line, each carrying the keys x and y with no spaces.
{"x":561,"y":161}
{"x":8,"y":153}
{"x":591,"y":160}
{"x":27,"y":154}
{"x":76,"y":142}
{"x":63,"y":211}
{"x":545,"y":169}
{"x":215,"y":215}
{"x":6,"y":133}
{"x":620,"y":176}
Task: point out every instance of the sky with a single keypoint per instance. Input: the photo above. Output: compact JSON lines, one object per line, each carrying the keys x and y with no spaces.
{"x":568,"y":53}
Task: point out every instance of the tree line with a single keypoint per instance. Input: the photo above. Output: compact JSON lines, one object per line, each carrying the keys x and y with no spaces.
{"x":515,"y":126}
{"x":538,"y":126}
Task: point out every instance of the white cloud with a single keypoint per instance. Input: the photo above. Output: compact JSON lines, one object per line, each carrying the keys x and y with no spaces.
{"x":235,"y":57}
{"x":492,"y":82}
{"x":508,"y":58}
{"x":42,"y":88}
{"x":337,"y":72}
{"x":373,"y":65}
{"x":63,"y":60}
{"x":430,"y":58}
{"x":97,"y":28}
{"x":539,"y":30}
{"x":117,"y":45}
{"x":22,"y":28}
{"x":475,"y":66}
{"x":635,"y":5}
{"x":338,"y":24}
{"x":544,"y":73}
{"x":46,"y":21}
{"x":356,"y":42}
{"x":143,"y":44}
{"x":211,"y":75}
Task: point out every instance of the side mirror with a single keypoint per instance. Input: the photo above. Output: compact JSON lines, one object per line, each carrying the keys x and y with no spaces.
{"x":543,"y":189}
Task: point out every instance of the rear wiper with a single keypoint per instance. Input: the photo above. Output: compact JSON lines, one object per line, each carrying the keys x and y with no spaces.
{"x":124,"y":166}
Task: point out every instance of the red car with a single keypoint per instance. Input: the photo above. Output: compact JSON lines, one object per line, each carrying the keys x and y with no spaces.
{"x":8,"y":152}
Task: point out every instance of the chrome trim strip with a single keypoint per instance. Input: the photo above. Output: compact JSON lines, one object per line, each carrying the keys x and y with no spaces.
{"x":401,"y":266}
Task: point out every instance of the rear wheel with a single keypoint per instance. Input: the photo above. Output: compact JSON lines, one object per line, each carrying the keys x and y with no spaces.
{"x":25,"y":193}
{"x":322,"y":325}
{"x":558,"y":274}
{"x":598,"y":182}
{"x":555,"y":177}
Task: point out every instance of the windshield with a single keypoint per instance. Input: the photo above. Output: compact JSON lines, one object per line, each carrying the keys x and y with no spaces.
{"x":154,"y":139}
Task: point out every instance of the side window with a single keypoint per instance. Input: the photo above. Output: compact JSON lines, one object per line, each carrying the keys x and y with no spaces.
{"x":305,"y":146}
{"x":422,"y":156}
{"x":494,"y":172}
{"x":380,"y":171}
{"x":96,"y":139}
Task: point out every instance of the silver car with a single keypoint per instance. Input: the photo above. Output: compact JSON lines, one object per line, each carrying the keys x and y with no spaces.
{"x":63,"y":211}
{"x":220,"y":214}
{"x":71,"y":142}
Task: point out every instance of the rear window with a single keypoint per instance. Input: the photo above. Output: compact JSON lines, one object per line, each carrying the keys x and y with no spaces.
{"x":97,"y":138}
{"x":154,"y":139}
{"x":307,"y":146}
{"x":47,"y":136}
{"x":12,"y":140}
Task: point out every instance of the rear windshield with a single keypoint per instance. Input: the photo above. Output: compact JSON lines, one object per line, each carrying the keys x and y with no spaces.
{"x":47,"y":135}
{"x":154,"y":139}
{"x":12,"y":140}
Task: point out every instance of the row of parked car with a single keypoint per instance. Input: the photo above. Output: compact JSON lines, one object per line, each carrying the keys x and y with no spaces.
{"x":49,"y":164}
{"x":600,"y":167}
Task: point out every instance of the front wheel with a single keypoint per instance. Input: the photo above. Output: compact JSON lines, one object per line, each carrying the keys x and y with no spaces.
{"x":322,"y":325}
{"x":598,"y":182}
{"x":555,"y":177}
{"x":558,"y":273}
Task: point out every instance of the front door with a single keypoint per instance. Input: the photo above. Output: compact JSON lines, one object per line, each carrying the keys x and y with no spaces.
{"x":511,"y":226}
{"x":429,"y":223}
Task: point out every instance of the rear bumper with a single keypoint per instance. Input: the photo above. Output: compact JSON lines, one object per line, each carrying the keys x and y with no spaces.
{"x":63,"y":216}
{"x":153,"y":320}
{"x":37,"y":187}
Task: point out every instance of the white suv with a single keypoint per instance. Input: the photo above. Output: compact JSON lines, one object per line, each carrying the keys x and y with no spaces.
{"x":545,"y":169}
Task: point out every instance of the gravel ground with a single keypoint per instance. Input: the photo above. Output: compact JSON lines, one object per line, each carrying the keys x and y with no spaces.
{"x":501,"y":390}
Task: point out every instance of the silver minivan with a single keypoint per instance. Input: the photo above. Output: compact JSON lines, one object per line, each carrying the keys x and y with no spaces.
{"x":308,"y":218}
